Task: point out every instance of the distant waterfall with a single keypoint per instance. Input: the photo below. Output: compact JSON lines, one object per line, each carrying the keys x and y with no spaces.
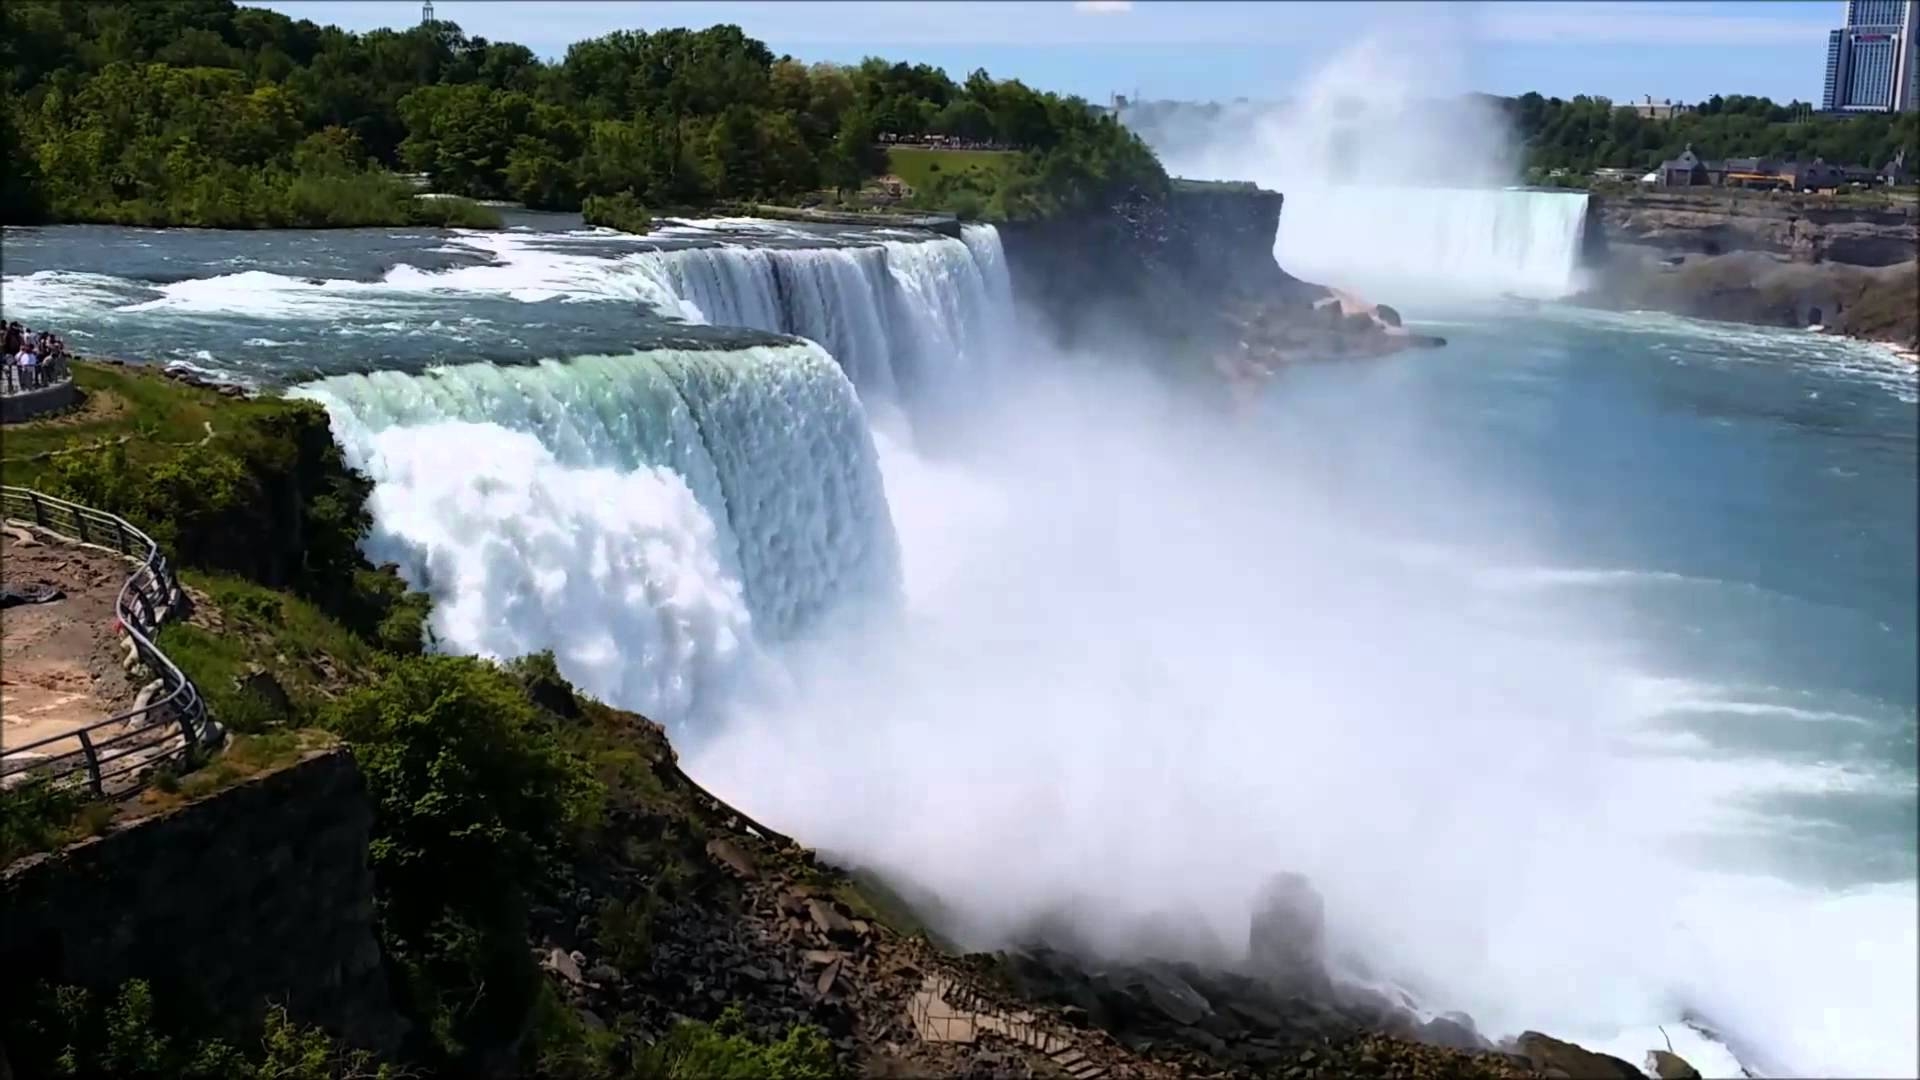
{"x":1485,"y":240}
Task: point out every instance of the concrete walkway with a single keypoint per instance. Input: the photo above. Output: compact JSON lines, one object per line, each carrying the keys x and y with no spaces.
{"x":61,"y":663}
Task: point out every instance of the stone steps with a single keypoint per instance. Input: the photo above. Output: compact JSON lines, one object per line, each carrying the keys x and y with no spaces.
{"x":944,"y":1011}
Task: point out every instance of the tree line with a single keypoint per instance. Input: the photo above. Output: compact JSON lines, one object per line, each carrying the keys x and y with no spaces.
{"x":201,"y":112}
{"x":1588,"y":133}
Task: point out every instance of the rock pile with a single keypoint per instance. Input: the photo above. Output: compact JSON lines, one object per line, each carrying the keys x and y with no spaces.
{"x":697,"y":910}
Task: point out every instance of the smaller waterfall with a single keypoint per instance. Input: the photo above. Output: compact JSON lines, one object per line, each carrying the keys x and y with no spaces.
{"x":1478,"y":240}
{"x":910,"y":321}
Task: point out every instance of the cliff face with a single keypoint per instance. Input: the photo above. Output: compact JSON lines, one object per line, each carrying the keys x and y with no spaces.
{"x":1801,"y":228}
{"x":1152,"y":271}
{"x":258,"y":894}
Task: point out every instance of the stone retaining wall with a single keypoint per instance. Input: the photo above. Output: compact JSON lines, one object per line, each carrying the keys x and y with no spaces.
{"x":31,"y":403}
{"x":259,"y":894}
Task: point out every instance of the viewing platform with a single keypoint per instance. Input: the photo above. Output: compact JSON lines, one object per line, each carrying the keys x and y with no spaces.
{"x":50,"y":393}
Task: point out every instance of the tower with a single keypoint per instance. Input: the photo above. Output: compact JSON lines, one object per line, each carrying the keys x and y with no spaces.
{"x":426,"y":12}
{"x":1871,"y":64}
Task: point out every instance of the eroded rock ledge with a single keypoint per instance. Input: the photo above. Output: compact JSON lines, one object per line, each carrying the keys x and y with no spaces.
{"x":1280,"y":1010}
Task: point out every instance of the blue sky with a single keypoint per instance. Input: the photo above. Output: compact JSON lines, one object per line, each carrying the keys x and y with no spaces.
{"x":1199,"y":50}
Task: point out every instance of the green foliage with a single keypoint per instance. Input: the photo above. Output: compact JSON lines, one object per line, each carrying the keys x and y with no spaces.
{"x":723,"y":1051}
{"x":617,"y":211}
{"x":476,"y":798}
{"x":67,"y":1031}
{"x":1588,"y":133}
{"x":267,"y":497}
{"x":38,"y":816}
{"x":209,"y":114}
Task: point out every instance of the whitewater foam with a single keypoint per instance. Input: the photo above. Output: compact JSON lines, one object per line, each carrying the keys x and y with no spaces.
{"x":769,"y":443}
{"x":1134,"y":683}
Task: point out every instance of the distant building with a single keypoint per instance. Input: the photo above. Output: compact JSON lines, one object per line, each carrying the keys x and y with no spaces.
{"x":1690,"y":170}
{"x":1871,"y":65}
{"x":1649,"y":109}
{"x":1687,"y":170}
{"x":1896,"y":171}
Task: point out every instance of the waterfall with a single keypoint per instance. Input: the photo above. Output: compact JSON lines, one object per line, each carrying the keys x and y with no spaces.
{"x":649,"y":517}
{"x":909,"y":320}
{"x":656,"y":517}
{"x":1477,"y":240}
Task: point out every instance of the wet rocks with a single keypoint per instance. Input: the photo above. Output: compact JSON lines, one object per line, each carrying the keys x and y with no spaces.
{"x":1668,"y":1065}
{"x":1566,"y":1061}
{"x":1454,"y":1030}
{"x":1286,"y":941}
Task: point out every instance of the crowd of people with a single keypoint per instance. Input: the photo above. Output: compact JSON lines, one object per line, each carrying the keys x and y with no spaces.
{"x":33,"y":358}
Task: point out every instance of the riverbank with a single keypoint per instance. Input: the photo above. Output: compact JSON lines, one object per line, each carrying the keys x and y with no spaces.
{"x":1800,"y":228}
{"x":1877,"y":304}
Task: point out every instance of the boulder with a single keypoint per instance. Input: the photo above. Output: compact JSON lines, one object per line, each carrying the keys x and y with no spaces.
{"x":1668,"y":1065}
{"x":1567,"y":1061}
{"x":1286,"y":941}
{"x":1386,"y":314}
{"x":1166,"y":993}
{"x":260,"y":682}
{"x":1453,"y":1030}
{"x":729,"y":854}
{"x":829,"y":921}
{"x":563,"y":964}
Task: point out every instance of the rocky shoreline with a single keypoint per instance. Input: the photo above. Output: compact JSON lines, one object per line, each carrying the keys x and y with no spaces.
{"x":1877,"y":304}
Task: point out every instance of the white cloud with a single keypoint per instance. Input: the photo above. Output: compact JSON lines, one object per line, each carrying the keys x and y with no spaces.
{"x":1102,"y":7}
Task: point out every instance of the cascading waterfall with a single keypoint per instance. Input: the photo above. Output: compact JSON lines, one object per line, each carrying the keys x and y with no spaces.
{"x":1485,"y":240}
{"x":651,"y":517}
{"x":909,"y":320}
{"x":648,"y":517}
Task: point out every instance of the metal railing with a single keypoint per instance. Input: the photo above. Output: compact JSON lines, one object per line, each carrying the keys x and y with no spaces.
{"x":114,"y":751}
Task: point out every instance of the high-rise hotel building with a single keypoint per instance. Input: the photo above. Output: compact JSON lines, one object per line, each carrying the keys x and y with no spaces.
{"x":1871,"y":65}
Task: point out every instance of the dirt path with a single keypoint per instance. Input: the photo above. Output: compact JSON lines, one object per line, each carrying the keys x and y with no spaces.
{"x":60,"y":661}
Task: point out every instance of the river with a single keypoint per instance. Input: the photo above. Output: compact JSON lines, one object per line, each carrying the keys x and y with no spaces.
{"x":1574,"y":662}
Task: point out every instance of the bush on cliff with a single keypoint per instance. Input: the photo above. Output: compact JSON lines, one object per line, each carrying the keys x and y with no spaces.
{"x":476,"y":801}
{"x":68,"y":1031}
{"x":724,"y":1051}
{"x":267,"y":496}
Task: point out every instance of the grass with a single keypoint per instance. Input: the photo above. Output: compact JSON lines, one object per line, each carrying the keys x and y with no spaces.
{"x":245,"y":756}
{"x":309,"y":654}
{"x":1203,"y":187}
{"x":918,"y":166}
{"x":36,"y":817}
{"x":155,"y":413}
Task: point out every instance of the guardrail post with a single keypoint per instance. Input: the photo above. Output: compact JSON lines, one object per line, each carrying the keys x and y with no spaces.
{"x":39,"y":512}
{"x":188,"y":731}
{"x":120,"y":536}
{"x":93,"y":766}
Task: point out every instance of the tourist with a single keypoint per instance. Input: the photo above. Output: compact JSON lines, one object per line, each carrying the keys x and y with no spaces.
{"x":29,"y":368}
{"x":14,"y":339}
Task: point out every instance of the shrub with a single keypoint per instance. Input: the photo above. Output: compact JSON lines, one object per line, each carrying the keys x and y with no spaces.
{"x":447,"y":212}
{"x":722,"y":1051}
{"x":60,"y":1031}
{"x":36,"y":816}
{"x":269,"y":498}
{"x":621,"y":211}
{"x":475,"y":801}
